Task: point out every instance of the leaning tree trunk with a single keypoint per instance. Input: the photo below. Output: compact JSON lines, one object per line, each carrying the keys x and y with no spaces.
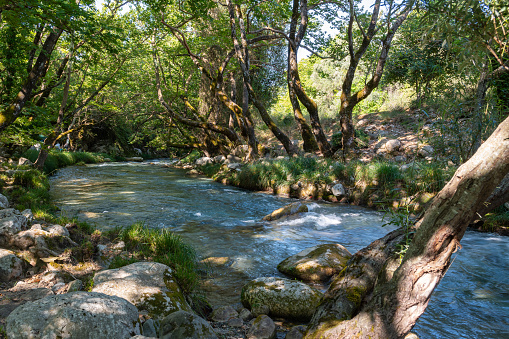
{"x":399,"y":299}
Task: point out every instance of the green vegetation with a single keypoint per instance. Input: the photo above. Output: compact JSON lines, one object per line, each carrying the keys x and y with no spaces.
{"x":160,"y":246}
{"x":58,"y":159}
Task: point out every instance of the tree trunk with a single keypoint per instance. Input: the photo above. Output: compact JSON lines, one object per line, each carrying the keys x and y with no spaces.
{"x":11,"y":113}
{"x":399,"y":299}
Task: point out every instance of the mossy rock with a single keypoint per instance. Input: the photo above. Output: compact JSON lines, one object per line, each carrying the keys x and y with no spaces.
{"x":318,"y":263}
{"x":148,"y":285}
{"x":285,"y":298}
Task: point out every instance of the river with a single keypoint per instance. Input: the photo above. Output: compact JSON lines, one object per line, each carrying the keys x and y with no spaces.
{"x":472,"y":301}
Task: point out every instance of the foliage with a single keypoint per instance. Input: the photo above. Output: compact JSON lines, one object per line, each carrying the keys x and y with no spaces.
{"x":161,"y":246}
{"x":401,"y":217}
{"x":58,"y":159}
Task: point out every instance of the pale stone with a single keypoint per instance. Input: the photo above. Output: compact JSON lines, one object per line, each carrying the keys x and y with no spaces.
{"x":135,"y":159}
{"x":234,"y":166}
{"x":392,"y":145}
{"x":286,"y":298}
{"x":24,"y":161}
{"x":77,"y":315}
{"x":148,"y":285}
{"x":11,"y":267}
{"x":338,"y":190}
{"x":219,"y":159}
{"x":203,"y":161}
{"x":4,"y":202}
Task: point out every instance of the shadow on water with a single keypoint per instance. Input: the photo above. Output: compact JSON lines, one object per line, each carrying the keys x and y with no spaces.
{"x":223,"y":224}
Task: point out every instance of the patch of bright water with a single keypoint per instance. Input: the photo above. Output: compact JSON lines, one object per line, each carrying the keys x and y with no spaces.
{"x":472,"y":301}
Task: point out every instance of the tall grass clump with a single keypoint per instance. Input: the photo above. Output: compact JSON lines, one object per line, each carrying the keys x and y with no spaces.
{"x":164,"y":247}
{"x":380,"y":172}
{"x":58,"y":159}
{"x":31,"y":191}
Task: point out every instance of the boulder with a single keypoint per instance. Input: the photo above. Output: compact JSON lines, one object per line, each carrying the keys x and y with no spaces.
{"x":77,"y":315}
{"x":338,"y":190}
{"x":185,"y":325}
{"x":203,"y":161}
{"x":148,"y":285}
{"x":57,"y":230}
{"x":11,"y":267}
{"x":392,"y":146}
{"x":11,"y":222}
{"x":149,"y":328}
{"x":263,"y":328}
{"x":224,"y":313}
{"x":286,"y":298}
{"x":293,"y":208}
{"x":318,"y":263}
{"x":231,"y":158}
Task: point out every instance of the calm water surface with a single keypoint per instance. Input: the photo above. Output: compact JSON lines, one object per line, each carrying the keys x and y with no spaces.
{"x":472,"y":301}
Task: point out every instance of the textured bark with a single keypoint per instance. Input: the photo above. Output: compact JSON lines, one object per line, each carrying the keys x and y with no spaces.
{"x":242,"y":54}
{"x":11,"y":113}
{"x":295,"y":85}
{"x":399,"y":299}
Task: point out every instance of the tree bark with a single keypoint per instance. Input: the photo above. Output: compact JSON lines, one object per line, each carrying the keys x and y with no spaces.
{"x":349,"y":100}
{"x":399,"y":299}
{"x":242,"y":54}
{"x":11,"y":113}
{"x":295,"y":85}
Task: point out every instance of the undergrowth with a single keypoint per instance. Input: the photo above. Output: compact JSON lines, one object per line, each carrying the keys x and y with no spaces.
{"x":58,"y":159}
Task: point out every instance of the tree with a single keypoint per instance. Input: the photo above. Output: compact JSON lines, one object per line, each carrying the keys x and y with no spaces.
{"x":387,"y":302}
{"x":396,"y":15}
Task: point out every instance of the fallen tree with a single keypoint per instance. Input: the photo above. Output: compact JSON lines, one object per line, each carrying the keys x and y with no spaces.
{"x":380,"y":296}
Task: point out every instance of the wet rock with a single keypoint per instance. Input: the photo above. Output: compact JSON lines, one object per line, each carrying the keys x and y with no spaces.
{"x":148,"y":285}
{"x":224,"y":313}
{"x":11,"y":267}
{"x":182,"y":324}
{"x":286,"y":298}
{"x":203,"y":161}
{"x":318,"y":263}
{"x":296,"y":332}
{"x":293,"y":208}
{"x":263,"y":328}
{"x":77,"y":315}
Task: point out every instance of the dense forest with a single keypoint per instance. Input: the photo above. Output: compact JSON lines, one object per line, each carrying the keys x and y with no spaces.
{"x":339,"y":83}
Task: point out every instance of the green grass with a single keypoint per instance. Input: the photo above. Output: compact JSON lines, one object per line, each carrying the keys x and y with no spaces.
{"x":58,"y":159}
{"x":164,"y":247}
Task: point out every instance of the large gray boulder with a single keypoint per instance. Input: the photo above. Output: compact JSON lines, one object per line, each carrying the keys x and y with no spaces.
{"x":317,"y":263}
{"x":204,"y":161}
{"x":148,"y":285}
{"x":185,"y":325}
{"x":11,"y":222}
{"x":285,"y":298}
{"x":11,"y":267}
{"x":77,"y":315}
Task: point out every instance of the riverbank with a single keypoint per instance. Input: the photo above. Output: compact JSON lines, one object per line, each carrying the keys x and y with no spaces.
{"x":384,"y":184}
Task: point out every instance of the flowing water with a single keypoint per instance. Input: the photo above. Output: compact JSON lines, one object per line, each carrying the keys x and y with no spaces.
{"x":223,"y":223}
